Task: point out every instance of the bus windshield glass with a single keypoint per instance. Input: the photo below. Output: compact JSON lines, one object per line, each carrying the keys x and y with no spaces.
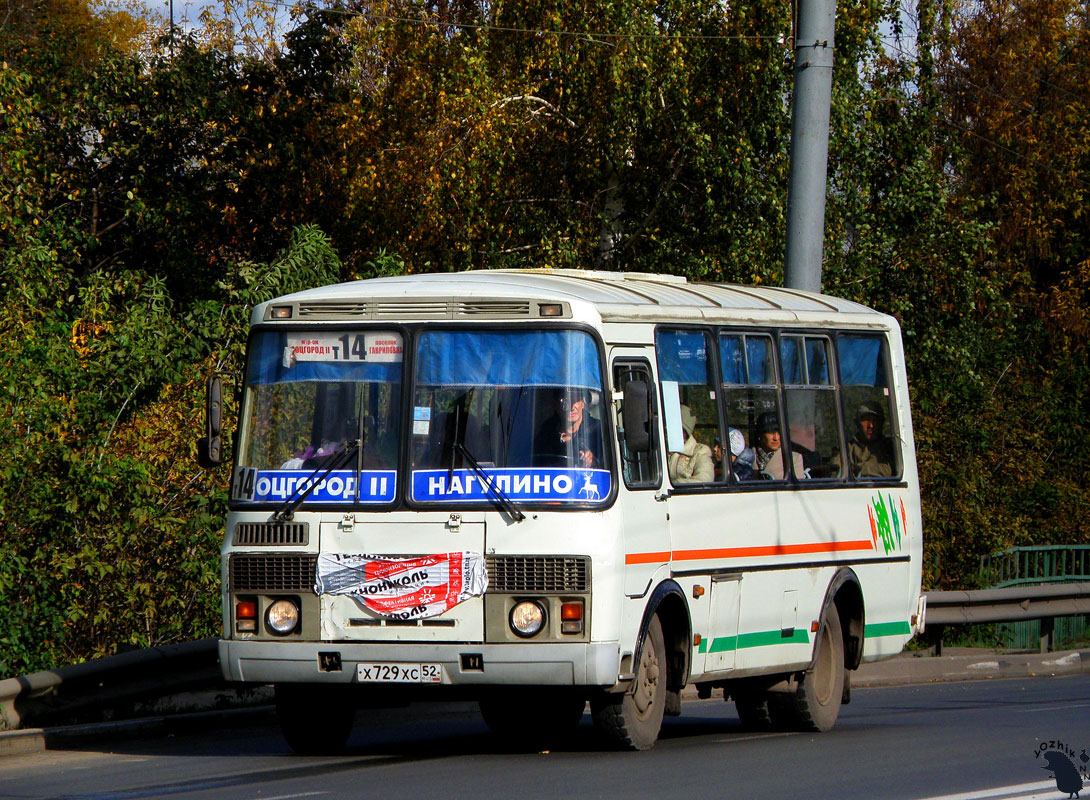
{"x":311,"y":397}
{"x":520,"y":409}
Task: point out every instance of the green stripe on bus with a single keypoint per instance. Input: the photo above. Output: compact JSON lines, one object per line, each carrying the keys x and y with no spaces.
{"x":759,"y":639}
{"x":887,"y":629}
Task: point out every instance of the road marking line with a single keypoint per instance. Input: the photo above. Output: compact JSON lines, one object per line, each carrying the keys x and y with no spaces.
{"x":1038,"y":709}
{"x":1021,"y":791}
{"x":289,"y":796}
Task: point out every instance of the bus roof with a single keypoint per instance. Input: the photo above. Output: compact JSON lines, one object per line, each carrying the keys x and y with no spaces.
{"x":612,"y":296}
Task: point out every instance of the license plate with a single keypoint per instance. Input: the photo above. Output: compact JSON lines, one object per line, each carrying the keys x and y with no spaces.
{"x":399,"y":672}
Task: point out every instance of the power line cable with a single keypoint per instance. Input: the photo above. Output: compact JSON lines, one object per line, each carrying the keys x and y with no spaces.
{"x":481,"y":26}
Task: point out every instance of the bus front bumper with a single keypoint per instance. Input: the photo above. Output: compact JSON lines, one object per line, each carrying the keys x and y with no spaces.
{"x":576,"y":664}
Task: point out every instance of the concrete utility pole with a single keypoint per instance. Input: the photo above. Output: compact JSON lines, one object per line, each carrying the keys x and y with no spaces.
{"x":809,"y":144}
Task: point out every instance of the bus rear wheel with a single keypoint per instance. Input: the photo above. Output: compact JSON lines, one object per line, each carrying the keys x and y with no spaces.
{"x":315,"y":719}
{"x":632,"y":720}
{"x":815,"y":703}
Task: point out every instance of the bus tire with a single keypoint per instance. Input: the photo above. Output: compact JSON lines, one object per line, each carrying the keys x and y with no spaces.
{"x":632,"y":720}
{"x":532,"y":717}
{"x":753,"y":711}
{"x":815,"y":703}
{"x":315,"y":720}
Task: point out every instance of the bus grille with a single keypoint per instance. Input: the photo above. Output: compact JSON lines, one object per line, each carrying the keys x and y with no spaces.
{"x":261,"y":573}
{"x":272,"y":533}
{"x":538,"y":574}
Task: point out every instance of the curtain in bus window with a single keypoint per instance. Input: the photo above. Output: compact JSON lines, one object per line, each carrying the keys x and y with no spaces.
{"x":873,"y":449}
{"x":683,"y":357}
{"x":762,"y":369}
{"x":508,"y":358}
{"x":861,"y":361}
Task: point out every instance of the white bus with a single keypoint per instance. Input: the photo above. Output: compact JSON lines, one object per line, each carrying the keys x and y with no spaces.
{"x":543,"y":488}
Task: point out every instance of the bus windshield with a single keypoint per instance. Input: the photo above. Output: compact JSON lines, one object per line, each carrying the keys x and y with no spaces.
{"x":310,"y":396}
{"x":525,"y":405}
{"x":515,"y":413}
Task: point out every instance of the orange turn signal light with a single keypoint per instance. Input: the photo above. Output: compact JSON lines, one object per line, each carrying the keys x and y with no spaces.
{"x":571,"y":611}
{"x":246,"y":609}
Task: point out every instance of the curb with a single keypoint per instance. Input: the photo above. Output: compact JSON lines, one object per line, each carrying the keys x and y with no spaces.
{"x":904,"y":670}
{"x":901,"y":670}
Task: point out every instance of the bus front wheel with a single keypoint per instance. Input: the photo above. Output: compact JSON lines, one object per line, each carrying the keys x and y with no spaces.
{"x":315,"y":719}
{"x":632,"y":720}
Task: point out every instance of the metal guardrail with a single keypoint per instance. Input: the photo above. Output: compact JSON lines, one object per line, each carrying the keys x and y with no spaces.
{"x":111,"y":683}
{"x":1011,"y":604}
{"x":116,"y":682}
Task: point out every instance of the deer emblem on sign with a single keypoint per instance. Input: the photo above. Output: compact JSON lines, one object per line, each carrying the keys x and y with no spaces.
{"x":589,"y":488}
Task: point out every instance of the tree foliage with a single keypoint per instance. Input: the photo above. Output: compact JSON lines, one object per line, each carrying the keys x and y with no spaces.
{"x":153,"y":190}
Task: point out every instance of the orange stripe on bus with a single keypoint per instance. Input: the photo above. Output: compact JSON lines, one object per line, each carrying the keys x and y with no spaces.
{"x":646,"y":558}
{"x":750,"y":552}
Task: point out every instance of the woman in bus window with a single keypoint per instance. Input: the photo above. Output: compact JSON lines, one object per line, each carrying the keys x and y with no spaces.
{"x":694,"y":463}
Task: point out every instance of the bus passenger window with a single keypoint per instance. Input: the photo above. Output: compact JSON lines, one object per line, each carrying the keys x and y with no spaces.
{"x":752,"y":405}
{"x":811,"y":406}
{"x":684,"y":362}
{"x":873,"y":449}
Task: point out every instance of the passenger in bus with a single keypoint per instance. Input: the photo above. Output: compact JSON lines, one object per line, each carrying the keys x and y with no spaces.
{"x":571,"y":436}
{"x":769,"y":450}
{"x":717,"y":459}
{"x":742,"y":457}
{"x":870,"y":452}
{"x":694,"y":463}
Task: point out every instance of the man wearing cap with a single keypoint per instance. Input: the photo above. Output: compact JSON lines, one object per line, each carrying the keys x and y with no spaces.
{"x":870,"y":452}
{"x":694,"y":463}
{"x":770,"y":449}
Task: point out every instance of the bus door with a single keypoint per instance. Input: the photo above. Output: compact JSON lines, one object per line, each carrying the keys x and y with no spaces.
{"x":704,"y":524}
{"x":642,"y":501}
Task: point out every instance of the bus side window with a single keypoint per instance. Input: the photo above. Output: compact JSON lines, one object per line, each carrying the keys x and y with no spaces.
{"x":814,"y":430}
{"x":690,"y":405}
{"x":751,"y":400}
{"x":874,"y":449}
{"x":640,"y":469}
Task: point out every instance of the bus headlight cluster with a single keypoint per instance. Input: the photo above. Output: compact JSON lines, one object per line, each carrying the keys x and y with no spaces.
{"x":282,"y":617}
{"x":527,"y":618}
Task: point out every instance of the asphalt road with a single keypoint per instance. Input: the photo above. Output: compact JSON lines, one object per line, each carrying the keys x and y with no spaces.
{"x":955,"y":740}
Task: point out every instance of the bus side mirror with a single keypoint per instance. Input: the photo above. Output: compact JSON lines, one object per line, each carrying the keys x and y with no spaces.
{"x":636,"y":415}
{"x":210,"y":447}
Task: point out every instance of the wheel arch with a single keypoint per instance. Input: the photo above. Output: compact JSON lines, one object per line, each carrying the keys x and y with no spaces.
{"x":669,"y":603}
{"x":846,"y":592}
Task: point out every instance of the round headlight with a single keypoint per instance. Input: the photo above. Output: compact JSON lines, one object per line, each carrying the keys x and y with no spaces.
{"x":527,"y":618}
{"x":282,"y":617}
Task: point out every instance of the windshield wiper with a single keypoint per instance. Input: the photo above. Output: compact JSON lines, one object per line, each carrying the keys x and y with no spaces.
{"x":502,"y":500}
{"x":284,"y":513}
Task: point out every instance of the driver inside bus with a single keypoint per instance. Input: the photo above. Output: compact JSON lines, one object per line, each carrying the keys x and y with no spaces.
{"x":570,"y":435}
